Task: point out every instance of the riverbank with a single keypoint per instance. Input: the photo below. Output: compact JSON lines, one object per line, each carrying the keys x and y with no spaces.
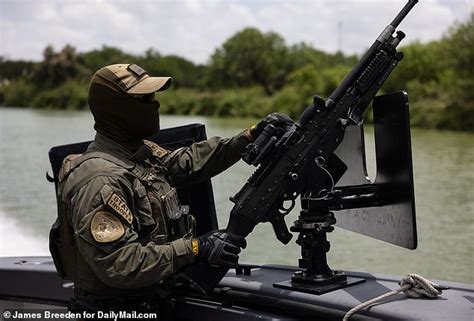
{"x":254,"y":73}
{"x":425,"y":111}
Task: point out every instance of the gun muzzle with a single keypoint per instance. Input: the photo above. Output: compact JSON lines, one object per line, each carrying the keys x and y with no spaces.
{"x":403,"y":13}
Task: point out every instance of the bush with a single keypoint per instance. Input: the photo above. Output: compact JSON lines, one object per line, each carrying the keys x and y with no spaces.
{"x":290,"y":101}
{"x":182,"y":101}
{"x":18,"y":93}
{"x":246,"y":102}
{"x":70,"y":95}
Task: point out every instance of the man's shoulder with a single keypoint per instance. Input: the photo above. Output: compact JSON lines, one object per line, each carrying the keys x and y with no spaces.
{"x":100,"y":163}
{"x":94,"y":170}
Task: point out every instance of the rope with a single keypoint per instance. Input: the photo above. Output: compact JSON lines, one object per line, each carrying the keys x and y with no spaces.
{"x":413,"y":285}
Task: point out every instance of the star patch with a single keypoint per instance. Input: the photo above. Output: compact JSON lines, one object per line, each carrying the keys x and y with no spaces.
{"x":106,"y":227}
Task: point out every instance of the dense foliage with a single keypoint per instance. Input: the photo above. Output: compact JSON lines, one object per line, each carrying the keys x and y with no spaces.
{"x":254,"y":73}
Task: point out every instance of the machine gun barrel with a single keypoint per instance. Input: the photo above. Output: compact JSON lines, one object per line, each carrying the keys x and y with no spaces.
{"x":368,"y":56}
{"x":403,"y":13}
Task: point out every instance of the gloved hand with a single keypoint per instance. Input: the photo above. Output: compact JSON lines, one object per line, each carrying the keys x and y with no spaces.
{"x":276,"y":119}
{"x":218,"y":248}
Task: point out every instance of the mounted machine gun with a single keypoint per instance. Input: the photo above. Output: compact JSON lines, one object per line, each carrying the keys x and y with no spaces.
{"x":302,"y":161}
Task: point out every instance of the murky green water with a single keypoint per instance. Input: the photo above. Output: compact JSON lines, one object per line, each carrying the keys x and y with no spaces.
{"x":443,"y":165}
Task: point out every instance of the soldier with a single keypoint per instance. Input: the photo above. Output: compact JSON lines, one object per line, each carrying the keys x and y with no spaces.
{"x":115,"y":236}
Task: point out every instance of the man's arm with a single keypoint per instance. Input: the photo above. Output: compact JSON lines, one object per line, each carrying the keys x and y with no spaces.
{"x":206,"y":159}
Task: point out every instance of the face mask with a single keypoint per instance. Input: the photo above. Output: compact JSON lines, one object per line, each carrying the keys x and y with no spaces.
{"x":146,"y":98}
{"x":144,"y":120}
{"x":121,"y":117}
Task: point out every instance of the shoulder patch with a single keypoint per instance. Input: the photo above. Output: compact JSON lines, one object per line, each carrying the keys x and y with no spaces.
{"x":106,"y":227}
{"x":120,"y":207}
{"x":156,"y":149}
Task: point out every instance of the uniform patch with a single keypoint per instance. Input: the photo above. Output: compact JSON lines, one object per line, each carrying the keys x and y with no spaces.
{"x":156,"y":149}
{"x":137,"y":70}
{"x":118,"y":205}
{"x":106,"y":227}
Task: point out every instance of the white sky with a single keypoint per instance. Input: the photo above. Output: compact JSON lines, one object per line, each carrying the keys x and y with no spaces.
{"x":194,"y":28}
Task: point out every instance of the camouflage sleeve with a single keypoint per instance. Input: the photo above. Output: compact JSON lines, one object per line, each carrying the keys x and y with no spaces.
{"x":105,"y":234}
{"x":206,"y":159}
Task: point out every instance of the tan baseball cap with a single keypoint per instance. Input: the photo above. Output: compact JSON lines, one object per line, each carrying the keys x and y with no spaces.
{"x":130,"y":78}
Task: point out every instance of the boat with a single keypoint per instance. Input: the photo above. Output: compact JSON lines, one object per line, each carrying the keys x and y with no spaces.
{"x":276,"y":292}
{"x":247,"y":293}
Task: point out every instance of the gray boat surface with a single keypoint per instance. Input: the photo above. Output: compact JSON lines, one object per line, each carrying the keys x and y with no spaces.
{"x":29,"y":281}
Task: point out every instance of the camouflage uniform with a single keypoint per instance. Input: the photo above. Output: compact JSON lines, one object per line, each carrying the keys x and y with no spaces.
{"x":116,"y":212}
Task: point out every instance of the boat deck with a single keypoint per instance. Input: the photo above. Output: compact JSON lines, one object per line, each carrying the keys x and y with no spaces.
{"x":457,"y":303}
{"x":252,"y":296}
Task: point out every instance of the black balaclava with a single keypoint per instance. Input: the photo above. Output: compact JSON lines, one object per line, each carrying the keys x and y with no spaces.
{"x":122,"y":117}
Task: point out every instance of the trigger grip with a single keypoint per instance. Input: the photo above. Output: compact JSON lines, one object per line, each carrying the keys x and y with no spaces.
{"x":280,"y":228}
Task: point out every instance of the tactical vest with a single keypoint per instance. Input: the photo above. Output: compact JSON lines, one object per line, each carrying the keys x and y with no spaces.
{"x":169,"y":219}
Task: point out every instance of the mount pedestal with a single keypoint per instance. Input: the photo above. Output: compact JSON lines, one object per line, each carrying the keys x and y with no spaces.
{"x":317,"y":277}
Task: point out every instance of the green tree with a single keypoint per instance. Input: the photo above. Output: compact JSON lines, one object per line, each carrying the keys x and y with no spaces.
{"x":14,"y":69}
{"x":458,"y":77}
{"x":18,"y":93}
{"x":460,"y":47}
{"x":422,"y":62}
{"x":302,"y":54}
{"x":96,"y":59}
{"x":439,"y":79}
{"x":251,"y":57}
{"x":184,"y":72}
{"x":57,"y":67}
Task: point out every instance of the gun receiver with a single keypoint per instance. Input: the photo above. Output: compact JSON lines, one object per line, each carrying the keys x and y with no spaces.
{"x":284,"y":160}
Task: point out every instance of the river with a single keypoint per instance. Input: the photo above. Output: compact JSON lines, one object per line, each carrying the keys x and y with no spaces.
{"x":443,"y":168}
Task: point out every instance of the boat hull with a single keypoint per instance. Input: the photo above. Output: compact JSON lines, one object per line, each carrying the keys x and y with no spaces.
{"x":32,"y":283}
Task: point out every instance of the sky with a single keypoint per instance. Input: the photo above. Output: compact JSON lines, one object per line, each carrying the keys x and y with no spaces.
{"x":195,"y":28}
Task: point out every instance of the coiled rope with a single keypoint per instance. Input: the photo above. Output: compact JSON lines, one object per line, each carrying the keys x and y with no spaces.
{"x":413,"y":285}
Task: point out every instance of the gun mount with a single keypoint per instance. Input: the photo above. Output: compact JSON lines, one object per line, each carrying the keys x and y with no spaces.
{"x":383,"y":209}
